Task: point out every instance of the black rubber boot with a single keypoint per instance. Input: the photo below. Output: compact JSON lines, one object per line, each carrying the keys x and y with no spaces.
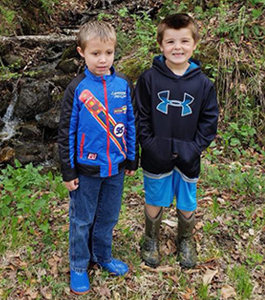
{"x":150,"y":247}
{"x":185,"y":242}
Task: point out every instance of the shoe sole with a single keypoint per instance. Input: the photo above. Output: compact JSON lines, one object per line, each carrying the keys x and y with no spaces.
{"x":150,"y":264}
{"x":79,"y":293}
{"x":187,"y":266}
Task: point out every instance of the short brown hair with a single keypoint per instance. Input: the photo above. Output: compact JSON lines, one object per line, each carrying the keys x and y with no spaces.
{"x":92,"y":29}
{"x":177,"y":21}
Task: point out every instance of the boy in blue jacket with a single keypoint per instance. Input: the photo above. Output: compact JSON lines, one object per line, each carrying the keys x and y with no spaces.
{"x":97,"y":145}
{"x":178,"y":115}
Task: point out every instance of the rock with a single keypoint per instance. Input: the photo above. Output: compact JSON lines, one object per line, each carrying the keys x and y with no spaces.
{"x":62,"y":80}
{"x":33,"y":99}
{"x":69,"y":65}
{"x":2,"y":124}
{"x":4,"y":101}
{"x":30,"y":131}
{"x":6,"y":154}
{"x":50,"y":118}
{"x":56,"y":157}
{"x":14,"y":61}
{"x":70,"y":52}
{"x":44,"y":71}
{"x":31,"y":152}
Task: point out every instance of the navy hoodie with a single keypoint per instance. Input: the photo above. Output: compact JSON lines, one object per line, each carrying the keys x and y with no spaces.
{"x":177,"y":118}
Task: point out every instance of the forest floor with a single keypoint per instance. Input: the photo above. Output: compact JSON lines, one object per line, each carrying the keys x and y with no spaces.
{"x":229,"y":237}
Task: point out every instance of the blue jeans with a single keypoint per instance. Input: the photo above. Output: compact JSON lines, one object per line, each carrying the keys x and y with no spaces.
{"x":94,"y":211}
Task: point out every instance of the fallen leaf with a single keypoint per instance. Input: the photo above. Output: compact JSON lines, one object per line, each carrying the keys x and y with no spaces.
{"x":199,"y":225}
{"x":159,"y":269}
{"x":46,"y":293}
{"x":104,"y":291}
{"x":32,"y":294}
{"x":208,"y":276}
{"x":116,"y":296}
{"x":227,"y":291}
{"x":174,"y":278}
{"x":170,"y":223}
{"x":251,"y":231}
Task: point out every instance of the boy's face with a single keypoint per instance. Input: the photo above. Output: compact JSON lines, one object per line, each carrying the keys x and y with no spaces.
{"x":98,"y":55}
{"x":177,"y":46}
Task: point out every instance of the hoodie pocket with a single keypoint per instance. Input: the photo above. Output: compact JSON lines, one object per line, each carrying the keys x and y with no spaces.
{"x":186,"y":151}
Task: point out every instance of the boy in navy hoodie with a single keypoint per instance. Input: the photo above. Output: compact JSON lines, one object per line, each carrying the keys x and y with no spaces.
{"x":97,"y":144}
{"x":178,"y":115}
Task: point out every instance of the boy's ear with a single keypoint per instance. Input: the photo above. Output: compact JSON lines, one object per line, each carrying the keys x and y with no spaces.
{"x":160,"y":47}
{"x":80,"y":51}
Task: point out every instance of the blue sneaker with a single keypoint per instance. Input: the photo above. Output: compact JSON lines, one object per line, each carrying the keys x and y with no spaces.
{"x":115,"y":267}
{"x":79,"y":283}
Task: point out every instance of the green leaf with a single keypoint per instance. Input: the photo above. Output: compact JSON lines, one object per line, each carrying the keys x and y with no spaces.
{"x":234,"y":126}
{"x":17,"y":163}
{"x":40,"y":203}
{"x":256,"y":13}
{"x":44,"y":227}
{"x":235,"y":142}
{"x":9,"y":187}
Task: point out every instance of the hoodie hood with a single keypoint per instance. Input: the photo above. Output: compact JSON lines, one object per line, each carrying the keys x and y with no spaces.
{"x":160,"y":65}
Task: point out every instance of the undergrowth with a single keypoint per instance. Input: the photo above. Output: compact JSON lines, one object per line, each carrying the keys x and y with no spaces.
{"x":34,"y":239}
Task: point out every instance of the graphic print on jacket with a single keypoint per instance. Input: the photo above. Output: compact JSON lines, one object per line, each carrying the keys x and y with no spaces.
{"x":99,"y":112}
{"x":165,"y":102}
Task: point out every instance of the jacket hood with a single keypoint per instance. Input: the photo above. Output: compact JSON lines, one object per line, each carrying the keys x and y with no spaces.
{"x":160,"y":66}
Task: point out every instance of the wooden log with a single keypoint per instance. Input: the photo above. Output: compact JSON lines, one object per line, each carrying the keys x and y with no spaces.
{"x":52,"y":38}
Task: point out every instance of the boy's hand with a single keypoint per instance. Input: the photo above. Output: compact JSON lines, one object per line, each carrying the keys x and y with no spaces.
{"x":71,"y":185}
{"x":129,"y":172}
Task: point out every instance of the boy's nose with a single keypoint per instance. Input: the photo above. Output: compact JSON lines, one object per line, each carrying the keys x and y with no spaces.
{"x":102,"y":58}
{"x":177,"y":46}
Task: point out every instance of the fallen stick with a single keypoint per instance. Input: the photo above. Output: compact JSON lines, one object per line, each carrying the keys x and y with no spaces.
{"x":39,"y":38}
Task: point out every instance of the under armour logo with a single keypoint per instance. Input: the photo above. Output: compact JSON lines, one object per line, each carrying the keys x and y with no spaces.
{"x":165,"y":102}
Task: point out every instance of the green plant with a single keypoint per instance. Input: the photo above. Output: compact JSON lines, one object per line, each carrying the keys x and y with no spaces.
{"x":7,"y":17}
{"x":203,"y":292}
{"x":211,"y":227}
{"x":242,"y":280}
{"x":25,"y":204}
{"x":238,"y":136}
{"x":254,"y":258}
{"x":48,"y":5}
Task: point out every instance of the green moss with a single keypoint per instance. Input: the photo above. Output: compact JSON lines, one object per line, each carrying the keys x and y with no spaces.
{"x":7,"y":21}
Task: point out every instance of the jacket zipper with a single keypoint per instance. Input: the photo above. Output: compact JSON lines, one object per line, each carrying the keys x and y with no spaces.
{"x":82,"y":145}
{"x":107,"y":123}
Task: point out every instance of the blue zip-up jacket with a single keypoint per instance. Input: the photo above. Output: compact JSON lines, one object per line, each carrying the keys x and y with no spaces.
{"x":177,"y":118}
{"x":97,"y":135}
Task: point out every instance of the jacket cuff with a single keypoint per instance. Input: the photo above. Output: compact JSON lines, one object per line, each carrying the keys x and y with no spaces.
{"x":131,"y":165}
{"x":69,"y":174}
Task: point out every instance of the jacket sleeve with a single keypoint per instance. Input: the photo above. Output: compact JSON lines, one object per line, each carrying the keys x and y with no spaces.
{"x":67,"y":134}
{"x":132,"y":132}
{"x":207,"y":125}
{"x":206,"y":128}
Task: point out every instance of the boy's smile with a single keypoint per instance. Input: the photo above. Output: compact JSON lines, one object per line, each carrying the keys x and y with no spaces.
{"x":178,"y":46}
{"x":98,"y":55}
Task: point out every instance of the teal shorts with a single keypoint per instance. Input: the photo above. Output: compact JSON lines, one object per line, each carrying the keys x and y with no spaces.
{"x":160,"y":190}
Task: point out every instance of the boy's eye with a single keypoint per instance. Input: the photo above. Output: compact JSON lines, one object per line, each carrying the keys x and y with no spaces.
{"x":109,"y":52}
{"x":95,"y":53}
